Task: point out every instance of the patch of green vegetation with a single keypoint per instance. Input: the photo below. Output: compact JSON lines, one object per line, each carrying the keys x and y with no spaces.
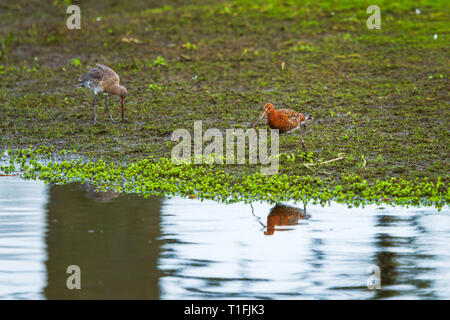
{"x":159,"y":61}
{"x":190,"y":46}
{"x":150,"y":176}
{"x":5,"y":43}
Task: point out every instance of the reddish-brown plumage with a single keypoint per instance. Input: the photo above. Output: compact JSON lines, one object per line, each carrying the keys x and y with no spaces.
{"x":284,"y":120}
{"x":283,"y":215}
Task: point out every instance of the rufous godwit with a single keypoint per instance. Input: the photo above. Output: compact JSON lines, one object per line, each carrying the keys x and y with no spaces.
{"x":106,"y":80}
{"x":285,"y":120}
{"x":283,"y":215}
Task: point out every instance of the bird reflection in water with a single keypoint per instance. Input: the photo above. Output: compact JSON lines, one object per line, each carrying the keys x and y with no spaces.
{"x":282,"y":215}
{"x":94,"y":193}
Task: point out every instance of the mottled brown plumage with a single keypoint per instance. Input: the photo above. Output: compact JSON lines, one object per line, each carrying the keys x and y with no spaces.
{"x":106,"y":80}
{"x":285,"y":120}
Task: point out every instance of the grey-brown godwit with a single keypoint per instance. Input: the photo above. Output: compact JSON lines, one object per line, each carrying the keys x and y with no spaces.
{"x":106,"y":80}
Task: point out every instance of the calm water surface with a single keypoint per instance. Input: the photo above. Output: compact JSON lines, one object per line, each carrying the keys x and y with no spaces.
{"x":128,"y":247}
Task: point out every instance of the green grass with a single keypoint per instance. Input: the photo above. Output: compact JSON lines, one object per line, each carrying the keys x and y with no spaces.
{"x":150,"y":176}
{"x":379,"y":97}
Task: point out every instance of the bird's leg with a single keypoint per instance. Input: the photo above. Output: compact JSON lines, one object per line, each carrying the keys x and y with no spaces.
{"x":93,"y":109}
{"x":305,"y":153}
{"x":109,"y":111}
{"x":303,"y":144}
{"x":303,"y":141}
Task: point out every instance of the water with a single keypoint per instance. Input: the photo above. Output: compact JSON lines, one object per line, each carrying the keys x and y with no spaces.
{"x":128,"y":247}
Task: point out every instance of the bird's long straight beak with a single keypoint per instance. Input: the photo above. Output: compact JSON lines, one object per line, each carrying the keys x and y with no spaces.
{"x":122,"y":102}
{"x":262,"y":116}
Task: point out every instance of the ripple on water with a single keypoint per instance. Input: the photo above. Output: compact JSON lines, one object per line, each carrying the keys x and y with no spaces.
{"x":160,"y":248}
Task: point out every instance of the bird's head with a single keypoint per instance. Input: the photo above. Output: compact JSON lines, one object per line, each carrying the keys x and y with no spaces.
{"x":268,"y":107}
{"x":123,"y":93}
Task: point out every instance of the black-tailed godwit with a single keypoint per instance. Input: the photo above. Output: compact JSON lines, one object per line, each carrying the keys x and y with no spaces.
{"x":283,"y":215}
{"x":285,"y":120}
{"x":106,"y":80}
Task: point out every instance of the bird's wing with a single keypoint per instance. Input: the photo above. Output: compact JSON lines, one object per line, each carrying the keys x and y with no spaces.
{"x":291,"y":118}
{"x":285,"y":210}
{"x":109,"y":73}
{"x":94,"y":75}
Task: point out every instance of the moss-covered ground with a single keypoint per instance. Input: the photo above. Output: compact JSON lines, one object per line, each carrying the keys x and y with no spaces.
{"x":379,"y":98}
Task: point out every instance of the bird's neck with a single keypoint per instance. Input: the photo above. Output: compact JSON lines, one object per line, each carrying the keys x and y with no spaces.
{"x":272,"y":116}
{"x":116,"y":90}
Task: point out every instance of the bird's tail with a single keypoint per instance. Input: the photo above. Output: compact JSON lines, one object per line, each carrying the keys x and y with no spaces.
{"x":84,"y":81}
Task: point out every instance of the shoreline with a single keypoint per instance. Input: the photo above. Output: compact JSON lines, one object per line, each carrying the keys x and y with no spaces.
{"x":163,"y":177}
